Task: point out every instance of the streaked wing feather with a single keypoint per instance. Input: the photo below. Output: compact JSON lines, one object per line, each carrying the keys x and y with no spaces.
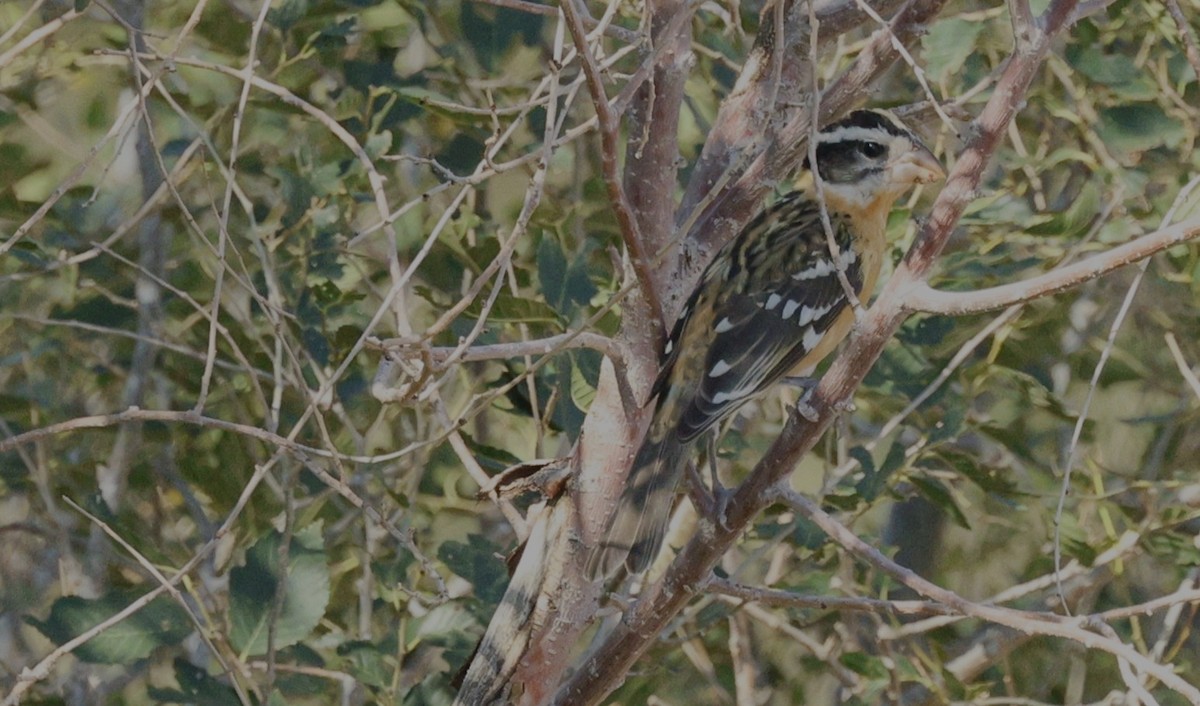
{"x":756,"y":343}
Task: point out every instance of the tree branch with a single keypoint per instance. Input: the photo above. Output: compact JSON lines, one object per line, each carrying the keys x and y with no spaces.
{"x":609,"y":136}
{"x":922,"y":297}
{"x":1078,"y":629}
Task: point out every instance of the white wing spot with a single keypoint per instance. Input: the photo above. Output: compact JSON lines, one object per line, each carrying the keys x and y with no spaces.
{"x":773,"y":301}
{"x":808,"y":313}
{"x":790,"y":308}
{"x":812,"y":337}
{"x":669,"y":347}
{"x":821,"y":268}
{"x":723,"y":325}
{"x":719,"y":369}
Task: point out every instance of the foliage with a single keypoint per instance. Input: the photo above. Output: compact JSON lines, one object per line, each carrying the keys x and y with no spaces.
{"x":198,"y":287}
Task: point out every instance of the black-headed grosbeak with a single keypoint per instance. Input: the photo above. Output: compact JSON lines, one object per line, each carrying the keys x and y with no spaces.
{"x":771,"y":301}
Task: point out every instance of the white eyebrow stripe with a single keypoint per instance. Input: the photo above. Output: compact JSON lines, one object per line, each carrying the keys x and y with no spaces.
{"x":862,"y":134}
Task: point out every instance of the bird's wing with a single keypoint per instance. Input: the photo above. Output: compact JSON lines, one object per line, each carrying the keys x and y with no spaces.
{"x":763,"y":327}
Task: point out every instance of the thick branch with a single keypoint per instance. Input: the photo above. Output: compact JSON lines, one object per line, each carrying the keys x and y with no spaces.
{"x":652,"y":153}
{"x":922,"y":297}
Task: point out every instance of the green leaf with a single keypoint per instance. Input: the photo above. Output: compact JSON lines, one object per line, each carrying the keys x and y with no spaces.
{"x":461,"y":154}
{"x":893,"y":461}
{"x":1117,"y":71}
{"x":159,"y":623}
{"x":1076,"y":218}
{"x":449,"y":626}
{"x":950,"y":420}
{"x":948,"y":45}
{"x":1139,"y":127}
{"x":864,"y":664}
{"x":937,"y":493}
{"x":490,"y":457}
{"x":1001,"y":207}
{"x":871,"y":483}
{"x":288,"y":13}
{"x":582,"y":390}
{"x":252,"y":589}
{"x":299,"y":683}
{"x":98,"y":310}
{"x":990,"y":479}
{"x":368,"y":663}
{"x":564,"y":285}
{"x":196,"y":688}
{"x":552,"y":271}
{"x":515,"y":310}
{"x":378,"y":144}
{"x":1074,"y":540}
{"x":477,"y":561}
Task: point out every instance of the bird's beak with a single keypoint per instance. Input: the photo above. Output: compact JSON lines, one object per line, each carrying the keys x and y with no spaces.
{"x":917,"y":166}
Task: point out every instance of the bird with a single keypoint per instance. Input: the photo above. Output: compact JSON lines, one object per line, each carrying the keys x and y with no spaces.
{"x":772,"y":300}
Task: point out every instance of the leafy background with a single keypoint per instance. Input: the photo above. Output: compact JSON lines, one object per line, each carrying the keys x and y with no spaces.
{"x":253,"y":481}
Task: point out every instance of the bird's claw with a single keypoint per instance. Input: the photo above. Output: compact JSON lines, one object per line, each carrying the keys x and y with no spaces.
{"x":720,"y":506}
{"x":803,"y":408}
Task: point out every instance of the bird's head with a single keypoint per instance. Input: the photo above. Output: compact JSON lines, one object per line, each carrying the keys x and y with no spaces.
{"x":870,"y":156}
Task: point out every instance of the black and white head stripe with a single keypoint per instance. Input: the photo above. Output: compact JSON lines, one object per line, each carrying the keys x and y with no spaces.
{"x":862,"y":125}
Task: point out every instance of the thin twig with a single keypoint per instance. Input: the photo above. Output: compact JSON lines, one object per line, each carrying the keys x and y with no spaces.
{"x":1185,"y":35}
{"x":1081,"y":419}
{"x":1049,"y":624}
{"x":227,"y":203}
{"x":1184,"y":369}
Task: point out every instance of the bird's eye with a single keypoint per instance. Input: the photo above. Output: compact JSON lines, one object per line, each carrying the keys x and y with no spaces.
{"x":873,"y":150}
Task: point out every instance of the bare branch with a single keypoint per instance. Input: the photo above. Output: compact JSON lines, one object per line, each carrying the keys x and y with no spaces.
{"x":921,"y":297}
{"x":516,"y":349}
{"x":1186,"y":36}
{"x":788,"y":599}
{"x":1050,"y":624}
{"x":1184,"y":369}
{"x":299,"y":451}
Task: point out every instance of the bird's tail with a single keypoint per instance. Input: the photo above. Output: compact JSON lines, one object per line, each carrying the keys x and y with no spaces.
{"x":636,"y":531}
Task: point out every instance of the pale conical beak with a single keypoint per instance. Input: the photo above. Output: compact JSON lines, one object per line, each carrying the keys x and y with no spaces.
{"x":917,"y":166}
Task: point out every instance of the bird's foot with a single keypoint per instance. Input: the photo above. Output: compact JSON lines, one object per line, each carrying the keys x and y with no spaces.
{"x":808,"y":385}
